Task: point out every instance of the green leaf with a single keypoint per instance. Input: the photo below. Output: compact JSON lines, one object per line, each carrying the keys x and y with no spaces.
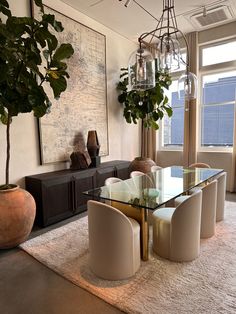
{"x":49,"y":38}
{"x":122,"y":98}
{"x":40,"y":39}
{"x":4,"y":8}
{"x":4,"y":3}
{"x":155,"y":116}
{"x":65,"y":51}
{"x":46,"y":54}
{"x":39,"y":4}
{"x":50,"y":19}
{"x":3,"y":119}
{"x":166,"y":100}
{"x":154,"y":125}
{"x":5,"y":11}
{"x":40,"y":111}
{"x":58,"y":86}
{"x":169,"y":111}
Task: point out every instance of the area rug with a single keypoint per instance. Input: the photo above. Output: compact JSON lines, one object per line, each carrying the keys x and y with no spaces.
{"x":205,"y":285}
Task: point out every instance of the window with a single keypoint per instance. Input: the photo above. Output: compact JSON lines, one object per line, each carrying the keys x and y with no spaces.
{"x":218,"y":95}
{"x":216,"y":54}
{"x":173,"y":128}
{"x":217,"y":110}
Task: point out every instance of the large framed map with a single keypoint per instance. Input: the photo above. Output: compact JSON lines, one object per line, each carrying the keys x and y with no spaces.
{"x":83,"y":106}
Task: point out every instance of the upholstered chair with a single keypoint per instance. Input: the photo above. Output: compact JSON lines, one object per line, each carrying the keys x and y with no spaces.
{"x":114,"y":242}
{"x":208,"y":213}
{"x":176,"y":230}
{"x":136,"y":173}
{"x":112,"y":180}
{"x":155,"y":168}
{"x":220,"y":203}
{"x":199,"y":165}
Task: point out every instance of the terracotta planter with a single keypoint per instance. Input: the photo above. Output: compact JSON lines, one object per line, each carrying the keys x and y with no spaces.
{"x":17,"y":214}
{"x":142,"y":164}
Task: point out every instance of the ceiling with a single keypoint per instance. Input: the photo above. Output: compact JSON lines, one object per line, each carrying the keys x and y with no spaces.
{"x":132,"y":21}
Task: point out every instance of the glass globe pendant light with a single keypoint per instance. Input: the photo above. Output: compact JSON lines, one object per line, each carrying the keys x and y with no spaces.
{"x":169,"y":53}
{"x":141,"y":70}
{"x":187,"y":86}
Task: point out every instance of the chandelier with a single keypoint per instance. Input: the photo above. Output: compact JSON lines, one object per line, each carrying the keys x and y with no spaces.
{"x":166,"y":56}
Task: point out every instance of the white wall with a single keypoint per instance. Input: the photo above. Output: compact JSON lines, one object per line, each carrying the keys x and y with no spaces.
{"x":124,"y":139}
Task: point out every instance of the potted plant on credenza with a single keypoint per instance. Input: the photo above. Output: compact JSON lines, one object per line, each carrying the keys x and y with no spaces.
{"x":149,"y":106}
{"x":30,"y":57}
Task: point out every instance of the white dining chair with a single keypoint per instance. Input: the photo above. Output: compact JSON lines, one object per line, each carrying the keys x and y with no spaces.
{"x":112,"y":180}
{"x":176,"y":230}
{"x":208,"y":211}
{"x":114,"y":242}
{"x":155,"y":168}
{"x":136,"y":173}
{"x":220,"y":203}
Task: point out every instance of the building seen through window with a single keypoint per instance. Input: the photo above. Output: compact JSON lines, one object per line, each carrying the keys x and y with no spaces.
{"x":217,"y":111}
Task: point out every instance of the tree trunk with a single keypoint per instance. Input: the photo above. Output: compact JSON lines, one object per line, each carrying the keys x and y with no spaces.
{"x":8,"y":148}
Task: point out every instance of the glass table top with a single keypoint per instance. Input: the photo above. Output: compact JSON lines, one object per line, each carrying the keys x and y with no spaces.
{"x":154,"y":189}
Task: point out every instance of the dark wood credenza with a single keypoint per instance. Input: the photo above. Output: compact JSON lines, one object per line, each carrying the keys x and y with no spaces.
{"x":58,"y":194}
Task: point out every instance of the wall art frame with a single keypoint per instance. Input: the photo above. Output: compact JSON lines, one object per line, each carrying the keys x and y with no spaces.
{"x":83,"y":106}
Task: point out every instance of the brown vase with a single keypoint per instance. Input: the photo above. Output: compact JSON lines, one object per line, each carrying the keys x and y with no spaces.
{"x":93,"y":145}
{"x":143,"y":164}
{"x":17,"y":214}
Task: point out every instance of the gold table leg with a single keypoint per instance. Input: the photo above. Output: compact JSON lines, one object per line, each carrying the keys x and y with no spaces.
{"x":141,"y":215}
{"x":144,"y":234}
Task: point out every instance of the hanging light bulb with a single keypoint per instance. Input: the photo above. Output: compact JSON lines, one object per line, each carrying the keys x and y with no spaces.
{"x":169,"y":53}
{"x":187,"y":86}
{"x":141,"y":70}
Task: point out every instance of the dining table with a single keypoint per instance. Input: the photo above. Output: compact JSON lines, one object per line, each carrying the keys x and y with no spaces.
{"x":139,"y":196}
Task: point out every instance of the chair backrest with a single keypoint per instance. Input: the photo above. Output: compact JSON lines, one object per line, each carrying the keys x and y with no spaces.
{"x":208,"y":217}
{"x":112,"y":180}
{"x":155,"y":168}
{"x":221,"y":179}
{"x":110,"y":237}
{"x":185,"y":228}
{"x":199,"y":165}
{"x":136,"y":173}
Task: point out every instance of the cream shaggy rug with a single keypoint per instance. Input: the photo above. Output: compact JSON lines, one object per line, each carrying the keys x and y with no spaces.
{"x":206,"y":285}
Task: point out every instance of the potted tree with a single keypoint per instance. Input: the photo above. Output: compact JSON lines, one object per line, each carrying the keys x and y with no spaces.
{"x":149,"y":106}
{"x":30,"y":57}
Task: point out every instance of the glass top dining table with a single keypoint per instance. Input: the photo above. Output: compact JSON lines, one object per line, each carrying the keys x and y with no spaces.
{"x":154,"y":189}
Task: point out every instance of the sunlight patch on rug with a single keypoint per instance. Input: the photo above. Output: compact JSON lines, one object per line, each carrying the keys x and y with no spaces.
{"x":205,"y":285}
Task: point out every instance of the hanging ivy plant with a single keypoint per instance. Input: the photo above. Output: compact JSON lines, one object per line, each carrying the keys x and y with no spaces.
{"x":150,"y":105}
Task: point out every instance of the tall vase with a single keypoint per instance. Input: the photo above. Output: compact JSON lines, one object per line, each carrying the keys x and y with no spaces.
{"x":93,"y":145}
{"x":17,"y":214}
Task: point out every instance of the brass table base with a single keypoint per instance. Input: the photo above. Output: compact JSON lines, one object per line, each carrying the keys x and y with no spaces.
{"x":141,"y":215}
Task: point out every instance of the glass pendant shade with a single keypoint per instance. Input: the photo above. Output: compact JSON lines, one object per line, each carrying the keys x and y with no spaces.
{"x":169,"y":53}
{"x":187,"y":86}
{"x":141,"y":70}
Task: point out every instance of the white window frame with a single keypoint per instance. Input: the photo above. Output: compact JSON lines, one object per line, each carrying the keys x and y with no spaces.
{"x":168,"y":148}
{"x":208,"y":70}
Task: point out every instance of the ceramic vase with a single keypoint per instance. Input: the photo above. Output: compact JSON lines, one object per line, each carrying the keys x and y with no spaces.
{"x":143,"y":164}
{"x":17,"y":214}
{"x":93,"y":145}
